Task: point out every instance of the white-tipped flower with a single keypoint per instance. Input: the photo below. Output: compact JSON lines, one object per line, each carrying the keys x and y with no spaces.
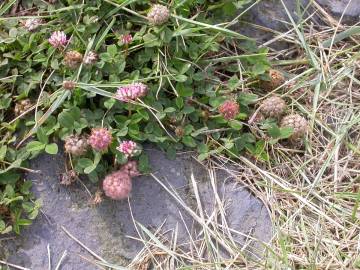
{"x":129,"y":148}
{"x":58,"y":39}
{"x":158,"y":14}
{"x":126,"y":39}
{"x":131,"y":92}
{"x":100,"y":139}
{"x":75,"y":145}
{"x":32,"y":24}
{"x":69,"y":85}
{"x":22,"y":106}
{"x":90,"y":58}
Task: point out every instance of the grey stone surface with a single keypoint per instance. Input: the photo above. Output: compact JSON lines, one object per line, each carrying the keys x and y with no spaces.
{"x":246,"y":215}
{"x":273,"y":15}
{"x":338,"y":7}
{"x":270,"y":14}
{"x":104,"y":229}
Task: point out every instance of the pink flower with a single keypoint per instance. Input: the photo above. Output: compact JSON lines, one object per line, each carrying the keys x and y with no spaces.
{"x":131,"y":167}
{"x":126,"y":38}
{"x":128,"y":148}
{"x":117,"y":185}
{"x":229,"y":109}
{"x":100,"y":139}
{"x":58,"y":39}
{"x":131,"y":92}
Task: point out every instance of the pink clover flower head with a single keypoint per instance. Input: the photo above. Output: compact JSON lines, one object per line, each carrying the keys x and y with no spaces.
{"x":129,"y":148}
{"x":58,"y":39}
{"x":100,"y":139}
{"x":131,"y":92}
{"x":229,"y":109}
{"x":131,"y":167}
{"x":126,"y":38}
{"x":117,"y":185}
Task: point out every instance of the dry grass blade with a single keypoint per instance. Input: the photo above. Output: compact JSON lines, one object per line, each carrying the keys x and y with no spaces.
{"x":13,"y":265}
{"x":82,"y":245}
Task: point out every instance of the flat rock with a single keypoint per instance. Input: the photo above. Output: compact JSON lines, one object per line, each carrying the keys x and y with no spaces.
{"x":109,"y":229}
{"x":273,"y":15}
{"x":350,"y":9}
{"x":246,"y":217}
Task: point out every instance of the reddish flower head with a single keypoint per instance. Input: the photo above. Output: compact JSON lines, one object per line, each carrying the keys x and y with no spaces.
{"x":100,"y":139}
{"x":129,"y":148}
{"x":58,"y":39}
{"x":229,"y":109}
{"x":117,"y":185}
{"x":131,"y":92}
{"x":126,"y":38}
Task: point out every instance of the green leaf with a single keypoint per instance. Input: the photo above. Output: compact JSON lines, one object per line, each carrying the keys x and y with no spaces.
{"x":9,"y":191}
{"x":171,"y":152}
{"x":179,"y":102}
{"x":51,"y":149}
{"x":189,"y":141}
{"x":234,"y":82}
{"x":286,"y":132}
{"x":112,"y":50}
{"x":35,"y":146}
{"x":181,"y":78}
{"x":247,"y":98}
{"x":41,"y":135}
{"x":188,"y":109}
{"x":8,"y":229}
{"x":184,"y":90}
{"x":188,"y":129}
{"x":4,"y":102}
{"x":199,"y":131}
{"x":89,"y":169}
{"x":144,"y":165}
{"x":25,"y":187}
{"x":23,"y":222}
{"x":151,"y":40}
{"x":33,"y":214}
{"x":97,"y":158}
{"x":203,"y":156}
{"x":54,"y":64}
{"x":84,"y":162}
{"x":274,"y":131}
{"x":2,"y":225}
{"x":93,"y":176}
{"x":216,"y":102}
{"x":170,"y":110}
{"x":3,"y":150}
{"x":203,"y":148}
{"x":10,"y":177}
{"x":66,"y":119}
{"x":237,"y":125}
{"x":109,"y":103}
{"x":166,"y":35}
